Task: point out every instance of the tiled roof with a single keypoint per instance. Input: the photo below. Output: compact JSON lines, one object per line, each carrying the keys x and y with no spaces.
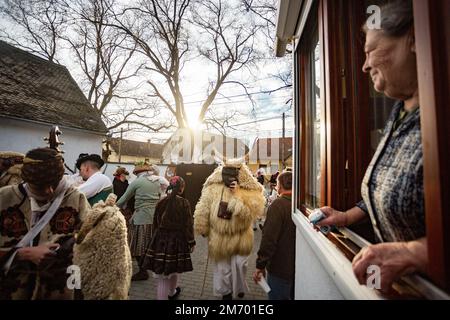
{"x":32,"y":88}
{"x":137,"y":148}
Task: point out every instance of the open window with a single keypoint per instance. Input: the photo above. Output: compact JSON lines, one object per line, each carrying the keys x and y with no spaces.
{"x":310,"y":117}
{"x":340,"y":121}
{"x":313,"y":117}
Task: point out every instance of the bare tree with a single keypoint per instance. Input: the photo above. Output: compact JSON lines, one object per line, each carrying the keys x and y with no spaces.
{"x":157,"y":29}
{"x":163,"y":31}
{"x":114,"y":45}
{"x":222,"y":121}
{"x":228,"y":44}
{"x":106,"y":59}
{"x":265,"y":12}
{"x":41,"y":23}
{"x":148,"y":117}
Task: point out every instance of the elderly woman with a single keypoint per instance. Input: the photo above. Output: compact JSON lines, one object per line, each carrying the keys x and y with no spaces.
{"x":392,"y":189}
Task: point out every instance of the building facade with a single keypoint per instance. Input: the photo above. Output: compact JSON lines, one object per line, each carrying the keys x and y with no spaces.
{"x":131,"y":151}
{"x":338,"y":123}
{"x":272,"y":154}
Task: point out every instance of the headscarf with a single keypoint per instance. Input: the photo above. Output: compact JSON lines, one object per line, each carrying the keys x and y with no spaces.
{"x":176,"y":183}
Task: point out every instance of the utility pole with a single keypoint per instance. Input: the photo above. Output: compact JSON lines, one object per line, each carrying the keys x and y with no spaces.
{"x":282,"y":141}
{"x":120,"y":145}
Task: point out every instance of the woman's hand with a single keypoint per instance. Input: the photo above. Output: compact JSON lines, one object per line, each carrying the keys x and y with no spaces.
{"x":333,"y":218}
{"x":258,"y":274}
{"x":395,"y":259}
{"x":341,"y":219}
{"x":37,"y":254}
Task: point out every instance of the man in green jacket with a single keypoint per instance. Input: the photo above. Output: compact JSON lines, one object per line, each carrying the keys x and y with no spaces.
{"x":97,"y":186}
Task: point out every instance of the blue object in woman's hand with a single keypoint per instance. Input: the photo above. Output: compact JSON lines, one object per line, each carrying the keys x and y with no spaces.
{"x":315,"y":217}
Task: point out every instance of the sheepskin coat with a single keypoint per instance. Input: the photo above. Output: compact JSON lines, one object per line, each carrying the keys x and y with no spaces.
{"x":12,"y":176}
{"x":102,"y":253}
{"x":48,"y":281}
{"x":235,"y":236}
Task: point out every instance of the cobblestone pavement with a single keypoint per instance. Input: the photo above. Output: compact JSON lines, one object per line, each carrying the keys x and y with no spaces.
{"x":191,"y":282}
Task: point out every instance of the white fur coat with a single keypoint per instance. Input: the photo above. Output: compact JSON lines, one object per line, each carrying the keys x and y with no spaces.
{"x":102,"y":253}
{"x":235,"y":236}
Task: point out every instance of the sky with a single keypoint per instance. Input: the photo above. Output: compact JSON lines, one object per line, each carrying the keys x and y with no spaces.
{"x":250,"y":123}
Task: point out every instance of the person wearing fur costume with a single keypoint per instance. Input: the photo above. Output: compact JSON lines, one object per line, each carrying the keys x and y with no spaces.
{"x":10,"y":168}
{"x":102,"y":253}
{"x":38,"y":223}
{"x":231,"y":200}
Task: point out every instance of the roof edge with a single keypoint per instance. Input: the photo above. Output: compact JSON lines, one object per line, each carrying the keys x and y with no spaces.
{"x":52,"y":124}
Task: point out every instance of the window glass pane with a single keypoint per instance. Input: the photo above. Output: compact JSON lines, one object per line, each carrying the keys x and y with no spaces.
{"x":314,"y":113}
{"x":379,"y":109}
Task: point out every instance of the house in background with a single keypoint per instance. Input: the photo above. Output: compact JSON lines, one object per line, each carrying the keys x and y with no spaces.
{"x":36,"y":94}
{"x":201,"y":147}
{"x":272,"y":154}
{"x":288,"y":161}
{"x":130,"y":151}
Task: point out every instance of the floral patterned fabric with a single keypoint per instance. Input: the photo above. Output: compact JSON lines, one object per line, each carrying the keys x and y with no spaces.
{"x":24,"y":279}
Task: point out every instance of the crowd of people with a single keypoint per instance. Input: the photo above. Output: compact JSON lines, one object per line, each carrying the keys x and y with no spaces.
{"x":49,"y":220}
{"x":42,"y":210}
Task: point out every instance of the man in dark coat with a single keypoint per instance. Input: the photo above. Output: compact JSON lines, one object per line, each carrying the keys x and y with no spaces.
{"x":277,"y":250}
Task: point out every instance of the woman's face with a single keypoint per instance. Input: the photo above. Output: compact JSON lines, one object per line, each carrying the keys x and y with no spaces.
{"x":391,"y":63}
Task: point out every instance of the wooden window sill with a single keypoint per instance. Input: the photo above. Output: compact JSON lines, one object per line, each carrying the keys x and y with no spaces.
{"x":336,"y":251}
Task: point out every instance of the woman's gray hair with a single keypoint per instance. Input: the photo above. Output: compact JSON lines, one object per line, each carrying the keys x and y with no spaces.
{"x":397,"y":18}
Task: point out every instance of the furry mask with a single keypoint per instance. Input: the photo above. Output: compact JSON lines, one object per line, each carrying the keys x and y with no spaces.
{"x":229,"y":175}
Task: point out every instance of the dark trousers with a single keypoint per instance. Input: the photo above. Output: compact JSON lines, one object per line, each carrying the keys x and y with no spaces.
{"x":281,"y":289}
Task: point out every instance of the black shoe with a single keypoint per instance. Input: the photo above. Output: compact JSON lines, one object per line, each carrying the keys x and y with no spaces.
{"x":141,"y":275}
{"x":228,"y":297}
{"x":241,"y":295}
{"x":176,"y":294}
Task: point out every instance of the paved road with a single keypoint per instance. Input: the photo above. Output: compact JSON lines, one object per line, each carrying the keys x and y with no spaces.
{"x":191,"y":282}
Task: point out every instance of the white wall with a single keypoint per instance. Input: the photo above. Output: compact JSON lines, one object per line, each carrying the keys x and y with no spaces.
{"x":321,"y":269}
{"x":312,"y":281}
{"x":22,"y":136}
